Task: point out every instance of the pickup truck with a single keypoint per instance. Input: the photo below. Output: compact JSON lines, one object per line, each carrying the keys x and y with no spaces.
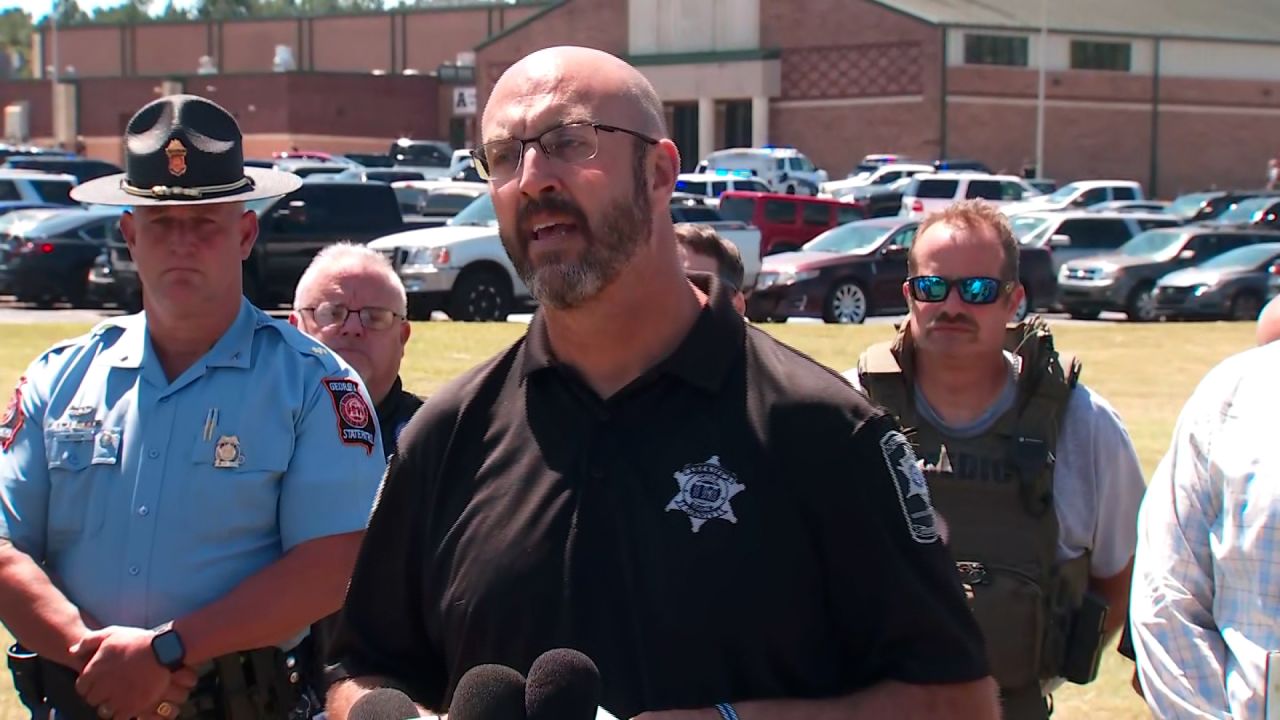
{"x":292,"y":229}
{"x":463,"y":269}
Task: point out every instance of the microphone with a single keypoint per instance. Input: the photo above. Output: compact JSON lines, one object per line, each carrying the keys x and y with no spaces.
{"x":563,"y":684}
{"x":383,"y":704}
{"x":488,"y":692}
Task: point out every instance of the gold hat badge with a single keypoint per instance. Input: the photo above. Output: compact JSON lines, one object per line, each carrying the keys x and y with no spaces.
{"x":177,"y":153}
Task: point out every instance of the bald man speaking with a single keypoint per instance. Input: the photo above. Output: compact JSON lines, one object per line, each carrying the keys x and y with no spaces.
{"x":725,"y":527}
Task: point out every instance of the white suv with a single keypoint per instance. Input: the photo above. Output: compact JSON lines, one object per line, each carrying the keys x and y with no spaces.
{"x":883,"y":175}
{"x":1080,"y":195}
{"x":784,"y":170}
{"x":712,"y":185}
{"x":930,"y":192}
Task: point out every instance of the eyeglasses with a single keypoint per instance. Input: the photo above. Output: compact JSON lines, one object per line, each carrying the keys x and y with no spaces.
{"x":328,"y":315}
{"x":973,"y":290}
{"x":571,"y":143}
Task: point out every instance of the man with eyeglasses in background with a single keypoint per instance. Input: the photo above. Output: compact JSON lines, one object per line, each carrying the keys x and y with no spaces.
{"x":351,"y":299}
{"x":1034,"y":473}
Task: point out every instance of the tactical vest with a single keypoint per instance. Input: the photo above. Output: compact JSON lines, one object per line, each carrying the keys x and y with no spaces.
{"x":996,"y":493}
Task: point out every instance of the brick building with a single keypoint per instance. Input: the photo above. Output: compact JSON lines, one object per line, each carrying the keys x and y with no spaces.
{"x":1178,"y":94}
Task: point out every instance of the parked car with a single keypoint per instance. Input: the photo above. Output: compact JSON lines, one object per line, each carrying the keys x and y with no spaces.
{"x":1078,"y":195}
{"x":787,"y":221}
{"x":929,"y":193}
{"x":882,"y":175}
{"x":1233,"y":285}
{"x":425,"y":153}
{"x":463,"y":269}
{"x":383,"y":175}
{"x":1044,"y":185}
{"x":34,"y":186}
{"x":856,"y":270}
{"x":1125,"y":280}
{"x":880,"y":200}
{"x":292,"y":229}
{"x":11,"y":206}
{"x":1262,"y":211}
{"x":1139,"y":206}
{"x":369,"y":160}
{"x":1080,"y":233}
{"x":961,"y":165}
{"x":715,"y":184}
{"x":48,"y":260}
{"x":784,"y":170}
{"x":435,"y":201}
{"x":82,"y":169}
{"x":1201,"y":206}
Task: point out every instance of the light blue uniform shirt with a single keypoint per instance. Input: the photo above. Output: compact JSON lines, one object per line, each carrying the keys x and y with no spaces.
{"x":110,"y":479}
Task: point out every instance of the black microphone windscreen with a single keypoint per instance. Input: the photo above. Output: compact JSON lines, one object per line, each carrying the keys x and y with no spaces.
{"x":488,"y":692}
{"x":383,"y":704}
{"x":563,"y":684}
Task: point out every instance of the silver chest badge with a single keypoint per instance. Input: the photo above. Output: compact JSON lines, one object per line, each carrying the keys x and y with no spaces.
{"x":226,"y":453}
{"x":705,"y":491}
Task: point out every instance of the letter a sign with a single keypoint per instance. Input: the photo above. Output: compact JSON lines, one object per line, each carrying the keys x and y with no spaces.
{"x":464,"y":101}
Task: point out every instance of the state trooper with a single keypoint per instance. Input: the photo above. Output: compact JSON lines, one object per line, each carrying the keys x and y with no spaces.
{"x":184,"y":490}
{"x":1034,"y":473}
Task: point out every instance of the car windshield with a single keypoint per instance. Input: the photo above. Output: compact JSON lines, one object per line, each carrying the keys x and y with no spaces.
{"x":1245,"y":210}
{"x":1027,"y":228}
{"x":851,"y":238}
{"x":1187,"y":205}
{"x":1245,"y":258}
{"x":1063,"y":193}
{"x":1152,"y":243}
{"x":479,"y":213}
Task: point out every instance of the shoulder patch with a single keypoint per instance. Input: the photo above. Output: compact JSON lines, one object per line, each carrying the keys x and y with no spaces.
{"x":913,"y":490}
{"x":12,"y":418}
{"x":355,"y":419}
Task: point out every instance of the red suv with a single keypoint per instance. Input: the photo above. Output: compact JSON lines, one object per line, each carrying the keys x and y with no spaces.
{"x":787,"y":221}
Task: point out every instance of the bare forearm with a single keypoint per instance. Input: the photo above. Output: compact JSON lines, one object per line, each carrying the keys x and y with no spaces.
{"x":276,"y":603}
{"x":36,"y":612}
{"x":970,"y":701}
{"x":345,"y":694}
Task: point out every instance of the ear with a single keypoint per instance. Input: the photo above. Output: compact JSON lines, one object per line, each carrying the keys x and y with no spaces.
{"x":129,"y":230}
{"x":666,"y":166}
{"x":248,"y":233}
{"x":1015,"y":298}
{"x":406,"y":329}
{"x":906,"y":292}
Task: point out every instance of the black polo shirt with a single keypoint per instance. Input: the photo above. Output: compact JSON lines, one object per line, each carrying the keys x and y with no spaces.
{"x":724,"y":528}
{"x":394,"y":413}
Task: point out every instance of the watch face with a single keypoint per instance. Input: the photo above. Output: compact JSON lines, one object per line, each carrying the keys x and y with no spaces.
{"x":168,"y":648}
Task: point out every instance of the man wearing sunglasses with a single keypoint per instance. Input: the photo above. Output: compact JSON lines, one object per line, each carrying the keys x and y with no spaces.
{"x":351,"y":299}
{"x":1034,"y":473}
{"x":713,"y":518}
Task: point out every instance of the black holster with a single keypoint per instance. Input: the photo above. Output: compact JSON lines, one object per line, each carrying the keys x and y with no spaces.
{"x":24,"y":666}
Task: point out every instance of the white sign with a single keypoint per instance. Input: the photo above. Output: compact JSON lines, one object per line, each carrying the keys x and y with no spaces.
{"x":464,"y":101}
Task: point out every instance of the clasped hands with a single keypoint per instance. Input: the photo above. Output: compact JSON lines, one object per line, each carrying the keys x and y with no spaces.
{"x":121,"y":678}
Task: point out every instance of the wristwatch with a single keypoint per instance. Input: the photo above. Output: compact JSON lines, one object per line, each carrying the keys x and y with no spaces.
{"x":168,"y":647}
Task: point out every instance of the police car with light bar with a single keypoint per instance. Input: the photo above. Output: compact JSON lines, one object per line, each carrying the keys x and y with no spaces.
{"x":783,"y":169}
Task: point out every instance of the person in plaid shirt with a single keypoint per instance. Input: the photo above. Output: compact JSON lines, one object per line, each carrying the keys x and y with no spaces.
{"x":1205,"y":609}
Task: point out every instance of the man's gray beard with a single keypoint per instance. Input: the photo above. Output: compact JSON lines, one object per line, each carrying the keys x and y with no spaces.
{"x":563,"y":285}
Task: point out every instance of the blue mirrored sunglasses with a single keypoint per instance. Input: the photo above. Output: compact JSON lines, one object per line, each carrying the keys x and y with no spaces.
{"x":972,"y":290}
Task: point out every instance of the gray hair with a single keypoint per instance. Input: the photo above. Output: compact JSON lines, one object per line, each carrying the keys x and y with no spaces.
{"x":348,"y":255}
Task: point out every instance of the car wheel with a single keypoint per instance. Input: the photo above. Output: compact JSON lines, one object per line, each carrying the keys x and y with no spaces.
{"x":847,"y":303}
{"x":1141,"y":306}
{"x":480,"y":295}
{"x":1084,"y":314}
{"x":1245,"y":306}
{"x":791,"y":190}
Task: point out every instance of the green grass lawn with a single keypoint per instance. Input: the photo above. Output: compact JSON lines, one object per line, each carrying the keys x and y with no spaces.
{"x":1146,"y":371}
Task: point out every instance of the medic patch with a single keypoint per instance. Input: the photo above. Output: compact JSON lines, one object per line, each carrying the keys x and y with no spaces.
{"x":12,"y":419}
{"x":913,"y":491}
{"x":355,"y":420}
